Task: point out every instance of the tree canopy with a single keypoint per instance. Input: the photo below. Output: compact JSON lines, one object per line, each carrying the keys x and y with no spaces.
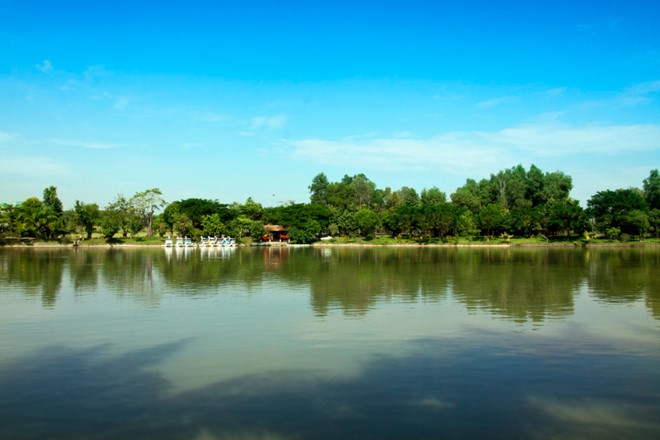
{"x":513,"y":201}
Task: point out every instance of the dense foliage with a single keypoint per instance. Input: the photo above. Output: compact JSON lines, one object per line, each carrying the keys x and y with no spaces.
{"x":513,"y":202}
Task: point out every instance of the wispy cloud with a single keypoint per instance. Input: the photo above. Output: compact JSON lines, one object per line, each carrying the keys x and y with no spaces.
{"x":96,"y":71}
{"x":644,"y":88}
{"x":268,"y":122}
{"x":121,"y":103}
{"x":260,"y":123}
{"x":33,"y":166}
{"x":215,"y":117}
{"x":6,"y":137}
{"x":554,"y":92}
{"x":82,"y":144}
{"x":494,"y":102}
{"x":45,"y":66}
{"x":606,"y":414}
{"x":468,"y":151}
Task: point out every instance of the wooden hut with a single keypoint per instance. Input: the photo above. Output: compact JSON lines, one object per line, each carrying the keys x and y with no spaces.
{"x":276,"y":233}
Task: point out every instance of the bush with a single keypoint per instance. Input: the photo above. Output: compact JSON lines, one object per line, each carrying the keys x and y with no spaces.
{"x":613,"y":233}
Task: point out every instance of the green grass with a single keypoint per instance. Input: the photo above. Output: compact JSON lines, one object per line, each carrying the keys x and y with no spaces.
{"x":515,"y":241}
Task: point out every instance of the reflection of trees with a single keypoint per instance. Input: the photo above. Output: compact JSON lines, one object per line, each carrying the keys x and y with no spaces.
{"x":131,"y":272}
{"x":84,"y":268}
{"x":199,"y":270}
{"x":520,"y":284}
{"x":624,"y":275}
{"x":36,"y":271}
{"x":355,"y":279}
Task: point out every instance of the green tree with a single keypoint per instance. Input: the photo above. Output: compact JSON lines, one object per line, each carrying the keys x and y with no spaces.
{"x":509,"y":187}
{"x":53,"y":205}
{"x":122,"y":214}
{"x":195,"y":209}
{"x":6,"y":219}
{"x":87,"y":215}
{"x":437,"y":218}
{"x":319,"y":190}
{"x":652,"y":189}
{"x":367,"y":221}
{"x":51,"y":200}
{"x":212,"y":225}
{"x":305,"y":233}
{"x":244,"y":227}
{"x":110,"y":223}
{"x":639,"y":220}
{"x":654,"y":221}
{"x":466,"y":226}
{"x":251,"y":209}
{"x":364,"y":190}
{"x":565,"y":216}
{"x":432,"y":196}
{"x":471,"y":196}
{"x":611,"y":208}
{"x":146,"y":203}
{"x":31,"y":218}
{"x":493,"y":218}
{"x":556,"y":186}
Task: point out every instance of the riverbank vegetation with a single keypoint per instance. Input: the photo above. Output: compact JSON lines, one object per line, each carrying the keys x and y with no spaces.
{"x":513,"y":205}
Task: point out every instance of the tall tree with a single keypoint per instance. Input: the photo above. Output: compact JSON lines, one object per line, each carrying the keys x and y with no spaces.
{"x":319,"y":190}
{"x":252,"y":209}
{"x":432,"y":196}
{"x":652,"y":189}
{"x":367,"y":221}
{"x":363,"y":188}
{"x":147,"y":203}
{"x":87,"y":216}
{"x":53,"y":205}
{"x":471,"y":196}
{"x":493,"y":218}
{"x":610,"y":208}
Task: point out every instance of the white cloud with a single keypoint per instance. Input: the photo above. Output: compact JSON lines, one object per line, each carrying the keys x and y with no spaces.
{"x":602,"y":413}
{"x":80,"y":144}
{"x":96,"y":71}
{"x":467,"y":152}
{"x":450,"y":152}
{"x":554,"y":92}
{"x":268,"y":122}
{"x":215,"y":117}
{"x":121,"y":103}
{"x":33,"y":166}
{"x":494,"y":102}
{"x":562,"y":140}
{"x":45,"y":66}
{"x":6,"y":137}
{"x":644,"y":88}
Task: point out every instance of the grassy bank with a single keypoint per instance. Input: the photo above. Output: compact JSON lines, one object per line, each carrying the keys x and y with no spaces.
{"x":354,"y":241}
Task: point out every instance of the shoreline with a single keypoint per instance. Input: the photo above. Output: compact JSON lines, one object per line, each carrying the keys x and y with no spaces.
{"x":46,"y":245}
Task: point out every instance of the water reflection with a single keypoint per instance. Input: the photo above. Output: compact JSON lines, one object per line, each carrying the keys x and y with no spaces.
{"x":496,"y":388}
{"x":517,"y":284}
{"x":36,"y":273}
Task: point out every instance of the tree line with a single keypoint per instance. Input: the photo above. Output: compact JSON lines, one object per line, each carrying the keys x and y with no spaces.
{"x":513,"y":202}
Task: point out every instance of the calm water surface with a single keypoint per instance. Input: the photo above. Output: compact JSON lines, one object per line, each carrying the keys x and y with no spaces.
{"x":302,"y":343}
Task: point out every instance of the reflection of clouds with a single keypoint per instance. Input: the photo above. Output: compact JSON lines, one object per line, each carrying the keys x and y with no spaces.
{"x":433,"y":403}
{"x":604,"y":418}
{"x":241,"y":435}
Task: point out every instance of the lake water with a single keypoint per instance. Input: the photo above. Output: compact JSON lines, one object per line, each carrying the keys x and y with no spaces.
{"x":330,"y":343}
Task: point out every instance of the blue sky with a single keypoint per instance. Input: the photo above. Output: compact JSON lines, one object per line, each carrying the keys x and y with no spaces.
{"x":226,"y":100}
